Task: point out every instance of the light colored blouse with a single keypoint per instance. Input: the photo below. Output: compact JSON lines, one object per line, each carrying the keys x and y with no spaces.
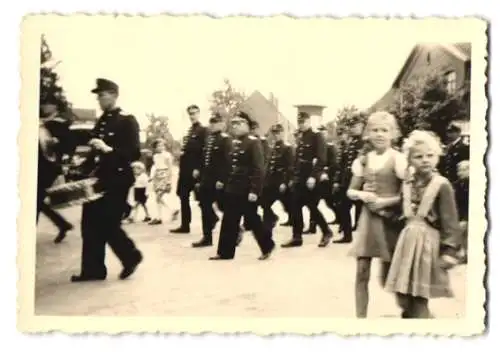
{"x":376,"y":161}
{"x":141,"y":181}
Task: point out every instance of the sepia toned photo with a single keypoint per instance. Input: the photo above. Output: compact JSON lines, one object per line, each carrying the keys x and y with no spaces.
{"x":262,"y":175}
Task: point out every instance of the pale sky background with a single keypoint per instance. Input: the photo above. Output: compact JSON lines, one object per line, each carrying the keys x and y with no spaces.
{"x":163,"y":64}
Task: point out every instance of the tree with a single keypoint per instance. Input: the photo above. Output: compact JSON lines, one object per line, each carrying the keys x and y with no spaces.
{"x":158,"y":128}
{"x":344,"y":116}
{"x":49,"y":80}
{"x":426,"y":102}
{"x":226,"y":100}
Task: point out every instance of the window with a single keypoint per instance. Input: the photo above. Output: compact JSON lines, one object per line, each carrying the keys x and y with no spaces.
{"x":451,"y":82}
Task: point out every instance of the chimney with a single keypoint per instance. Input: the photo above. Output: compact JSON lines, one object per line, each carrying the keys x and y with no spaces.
{"x":315,"y":111}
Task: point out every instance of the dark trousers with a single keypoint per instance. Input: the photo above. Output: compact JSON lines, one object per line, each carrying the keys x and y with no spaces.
{"x":269,"y":196}
{"x":101,"y":224}
{"x":302,"y":196}
{"x":343,"y":207}
{"x":185,"y":208}
{"x":325,"y":193}
{"x":236,"y":206}
{"x":207,"y":198}
{"x":54,"y":216}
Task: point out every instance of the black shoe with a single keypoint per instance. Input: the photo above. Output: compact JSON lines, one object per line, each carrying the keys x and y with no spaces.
{"x":182,"y":229}
{"x":147,"y":219}
{"x":87,"y":278}
{"x":129,"y":269}
{"x":325,"y":240}
{"x":343,"y":240}
{"x":292,"y":243}
{"x":266,"y":255}
{"x":204,"y":242}
{"x":62,"y":234}
{"x":218,"y":257}
{"x":155,"y":222}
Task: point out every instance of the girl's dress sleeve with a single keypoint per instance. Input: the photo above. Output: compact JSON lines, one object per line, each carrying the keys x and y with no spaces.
{"x":357,"y":168}
{"x":448,"y":217}
{"x":400,"y":165}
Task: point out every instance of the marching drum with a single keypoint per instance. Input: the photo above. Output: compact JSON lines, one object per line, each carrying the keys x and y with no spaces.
{"x":73,"y":193}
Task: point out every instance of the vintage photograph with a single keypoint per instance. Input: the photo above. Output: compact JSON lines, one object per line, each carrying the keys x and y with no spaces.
{"x":248,"y":169}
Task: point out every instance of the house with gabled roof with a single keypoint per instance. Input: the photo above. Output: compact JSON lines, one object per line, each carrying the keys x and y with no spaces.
{"x":266,"y":113}
{"x":453,"y":59}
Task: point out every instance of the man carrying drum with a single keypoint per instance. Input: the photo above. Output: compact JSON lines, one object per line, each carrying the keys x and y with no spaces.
{"x":115,"y":145}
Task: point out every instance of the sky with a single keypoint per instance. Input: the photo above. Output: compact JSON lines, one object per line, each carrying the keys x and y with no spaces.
{"x":163,"y":64}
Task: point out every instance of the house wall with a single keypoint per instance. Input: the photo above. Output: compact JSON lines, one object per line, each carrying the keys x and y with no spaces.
{"x":440,"y":58}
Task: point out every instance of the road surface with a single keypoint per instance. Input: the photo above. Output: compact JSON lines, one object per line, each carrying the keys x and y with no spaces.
{"x":178,"y":280}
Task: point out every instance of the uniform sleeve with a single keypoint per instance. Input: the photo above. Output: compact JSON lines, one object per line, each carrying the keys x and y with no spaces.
{"x":448,"y":217}
{"x":400,"y":165}
{"x":320,"y":155}
{"x":257,"y":168}
{"x":127,"y":147}
{"x":198,"y":155}
{"x":289,"y":158}
{"x":225,"y":167}
{"x":357,"y":168}
{"x":339,"y":161}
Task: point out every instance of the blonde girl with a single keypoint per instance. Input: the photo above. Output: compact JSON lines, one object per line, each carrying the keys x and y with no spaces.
{"x":161,"y":176}
{"x":377,"y":176}
{"x":427,"y":245}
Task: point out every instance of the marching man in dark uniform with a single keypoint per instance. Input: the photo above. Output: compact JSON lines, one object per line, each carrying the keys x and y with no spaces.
{"x":254,"y":131}
{"x":213,"y":176}
{"x":310,"y":159}
{"x":115,"y":145}
{"x":189,"y":166}
{"x":278,"y":175}
{"x":242,"y":192}
{"x":456,"y":152}
{"x":327,"y":177}
{"x":348,"y":153}
{"x":53,"y":146}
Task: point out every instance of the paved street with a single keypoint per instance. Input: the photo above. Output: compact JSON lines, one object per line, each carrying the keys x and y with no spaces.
{"x":177,"y":280}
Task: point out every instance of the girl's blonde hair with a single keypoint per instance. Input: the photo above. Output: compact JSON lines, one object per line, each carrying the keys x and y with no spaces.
{"x":385,"y":118}
{"x":419,"y":137}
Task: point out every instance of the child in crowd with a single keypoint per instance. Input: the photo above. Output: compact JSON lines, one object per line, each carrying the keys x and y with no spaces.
{"x":428,"y":242}
{"x":462,"y":197}
{"x":161,"y":175}
{"x":139,"y":191}
{"x":376,"y":182}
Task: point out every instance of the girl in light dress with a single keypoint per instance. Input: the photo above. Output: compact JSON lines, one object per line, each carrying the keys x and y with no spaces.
{"x":161,"y":176}
{"x":377,"y":177}
{"x":427,"y":245}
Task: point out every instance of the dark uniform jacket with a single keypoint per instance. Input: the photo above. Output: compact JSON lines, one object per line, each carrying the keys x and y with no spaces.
{"x":266,"y":149}
{"x":455,"y":153}
{"x":121,"y":132}
{"x":280,"y":166}
{"x":349,"y":151}
{"x":191,"y":157}
{"x":247,"y":170}
{"x":331,"y":166}
{"x":462,"y":197}
{"x":310,"y":157}
{"x":216,"y":160}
